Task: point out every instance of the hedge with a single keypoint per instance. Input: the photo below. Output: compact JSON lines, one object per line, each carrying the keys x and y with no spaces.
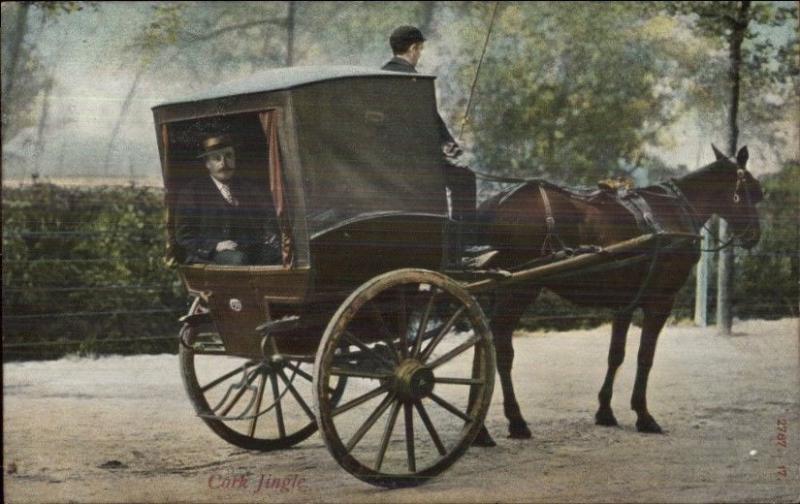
{"x":83,"y":272}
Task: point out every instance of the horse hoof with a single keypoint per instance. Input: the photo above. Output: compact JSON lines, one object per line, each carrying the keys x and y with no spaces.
{"x":605,"y":418}
{"x":648,"y":425}
{"x":484,"y":439}
{"x":519,"y":430}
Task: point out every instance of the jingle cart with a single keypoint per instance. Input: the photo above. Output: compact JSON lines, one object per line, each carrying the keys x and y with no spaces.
{"x":357,"y":332}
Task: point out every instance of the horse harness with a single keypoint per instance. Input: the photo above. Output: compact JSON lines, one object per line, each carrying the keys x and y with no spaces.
{"x":550,"y":222}
{"x":630,"y":200}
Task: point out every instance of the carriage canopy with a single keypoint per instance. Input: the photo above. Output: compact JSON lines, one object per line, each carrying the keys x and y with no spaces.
{"x":328,"y":144}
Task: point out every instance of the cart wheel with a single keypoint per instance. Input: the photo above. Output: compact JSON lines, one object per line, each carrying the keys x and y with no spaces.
{"x":415,"y":344}
{"x":254,"y":404}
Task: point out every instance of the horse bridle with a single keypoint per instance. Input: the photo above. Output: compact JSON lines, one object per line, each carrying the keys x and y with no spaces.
{"x":741,"y":183}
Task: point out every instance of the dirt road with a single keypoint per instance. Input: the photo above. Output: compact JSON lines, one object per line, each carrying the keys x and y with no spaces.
{"x":120,"y":429}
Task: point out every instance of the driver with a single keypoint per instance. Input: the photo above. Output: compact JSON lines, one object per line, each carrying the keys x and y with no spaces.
{"x":407,"y":44}
{"x":222,"y":219}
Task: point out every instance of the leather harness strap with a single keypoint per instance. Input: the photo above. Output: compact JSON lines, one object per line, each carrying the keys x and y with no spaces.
{"x":640,"y":209}
{"x":688,"y":212}
{"x":550,"y":222}
{"x":632,"y":201}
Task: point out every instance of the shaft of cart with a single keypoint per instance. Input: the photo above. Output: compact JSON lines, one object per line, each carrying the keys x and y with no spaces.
{"x":576,"y":263}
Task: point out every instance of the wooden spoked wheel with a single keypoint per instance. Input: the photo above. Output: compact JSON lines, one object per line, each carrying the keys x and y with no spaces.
{"x":412,"y":344}
{"x":256,"y":404}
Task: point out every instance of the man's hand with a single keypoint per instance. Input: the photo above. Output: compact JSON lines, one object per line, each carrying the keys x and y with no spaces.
{"x":272,"y":240}
{"x":226,"y":245}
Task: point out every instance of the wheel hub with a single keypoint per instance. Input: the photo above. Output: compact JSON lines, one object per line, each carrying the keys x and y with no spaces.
{"x":413,"y":380}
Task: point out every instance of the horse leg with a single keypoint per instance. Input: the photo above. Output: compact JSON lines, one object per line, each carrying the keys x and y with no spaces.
{"x":616,"y":354}
{"x":507,"y":311}
{"x":654,"y":320}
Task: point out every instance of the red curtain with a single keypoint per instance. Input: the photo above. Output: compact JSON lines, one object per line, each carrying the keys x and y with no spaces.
{"x":169,"y":253}
{"x":269,"y":124}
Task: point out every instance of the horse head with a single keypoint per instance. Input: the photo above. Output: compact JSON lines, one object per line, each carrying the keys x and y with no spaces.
{"x":727,"y":189}
{"x":736,"y":194}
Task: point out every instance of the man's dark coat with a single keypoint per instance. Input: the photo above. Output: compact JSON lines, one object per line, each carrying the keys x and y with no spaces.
{"x":204,"y":218}
{"x":398,"y":64}
{"x":460,"y":179}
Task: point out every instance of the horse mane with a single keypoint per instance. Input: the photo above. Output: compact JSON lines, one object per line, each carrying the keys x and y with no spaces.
{"x":719,"y":165}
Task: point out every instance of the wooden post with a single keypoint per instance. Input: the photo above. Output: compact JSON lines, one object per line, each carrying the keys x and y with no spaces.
{"x":701,"y":286}
{"x":724,"y":275}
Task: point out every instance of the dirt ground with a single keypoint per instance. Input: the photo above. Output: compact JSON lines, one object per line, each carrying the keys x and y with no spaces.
{"x":121,"y":429}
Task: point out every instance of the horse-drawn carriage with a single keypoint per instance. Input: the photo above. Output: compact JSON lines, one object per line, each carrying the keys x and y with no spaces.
{"x":359,"y":324}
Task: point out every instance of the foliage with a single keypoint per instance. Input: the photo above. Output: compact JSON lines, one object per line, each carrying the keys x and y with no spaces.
{"x":82,"y":271}
{"x":574,"y":94}
{"x":358,"y":32}
{"x":770,"y":274}
{"x":241,"y":37}
{"x":770,"y":70}
{"x":68,"y":7}
{"x":22,"y":61}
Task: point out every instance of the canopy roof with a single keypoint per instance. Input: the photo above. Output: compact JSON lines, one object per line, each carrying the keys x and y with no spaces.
{"x":281,"y":79}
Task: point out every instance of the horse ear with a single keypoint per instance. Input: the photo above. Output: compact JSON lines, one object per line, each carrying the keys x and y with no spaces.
{"x":742,"y":156}
{"x":717,"y":153}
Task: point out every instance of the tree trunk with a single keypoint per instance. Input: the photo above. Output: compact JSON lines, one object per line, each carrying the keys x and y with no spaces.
{"x":427,"y":18}
{"x":725,"y":276}
{"x":40,"y":130}
{"x":14,"y":51}
{"x":290,"y":33}
{"x":738,"y":30}
{"x":121,"y":117}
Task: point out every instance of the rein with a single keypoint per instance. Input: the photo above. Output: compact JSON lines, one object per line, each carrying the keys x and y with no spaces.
{"x":721,"y":247}
{"x":740,"y":182}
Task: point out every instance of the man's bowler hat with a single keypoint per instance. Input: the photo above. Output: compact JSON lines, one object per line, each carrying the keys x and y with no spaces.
{"x":215,"y":143}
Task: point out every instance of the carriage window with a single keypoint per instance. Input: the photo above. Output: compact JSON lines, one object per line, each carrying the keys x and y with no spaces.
{"x":225,"y":191}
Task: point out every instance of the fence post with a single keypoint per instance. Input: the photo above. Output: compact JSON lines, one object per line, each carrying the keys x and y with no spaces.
{"x":701,"y":286}
{"x":724,"y":276}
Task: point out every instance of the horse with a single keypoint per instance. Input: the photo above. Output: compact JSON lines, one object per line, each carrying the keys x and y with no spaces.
{"x":534,"y":219}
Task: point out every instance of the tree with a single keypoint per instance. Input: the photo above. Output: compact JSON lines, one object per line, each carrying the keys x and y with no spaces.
{"x":742,"y":51}
{"x":20,"y":64}
{"x":572,"y":94}
{"x":21,"y":61}
{"x":730,"y":25}
{"x":223,"y":40}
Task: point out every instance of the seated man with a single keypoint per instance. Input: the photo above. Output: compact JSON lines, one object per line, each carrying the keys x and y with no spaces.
{"x":221,"y":219}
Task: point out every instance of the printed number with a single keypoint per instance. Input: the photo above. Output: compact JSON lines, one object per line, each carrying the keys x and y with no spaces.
{"x":782,"y":428}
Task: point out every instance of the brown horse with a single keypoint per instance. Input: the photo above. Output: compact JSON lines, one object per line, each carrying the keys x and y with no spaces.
{"x":516,"y":225}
